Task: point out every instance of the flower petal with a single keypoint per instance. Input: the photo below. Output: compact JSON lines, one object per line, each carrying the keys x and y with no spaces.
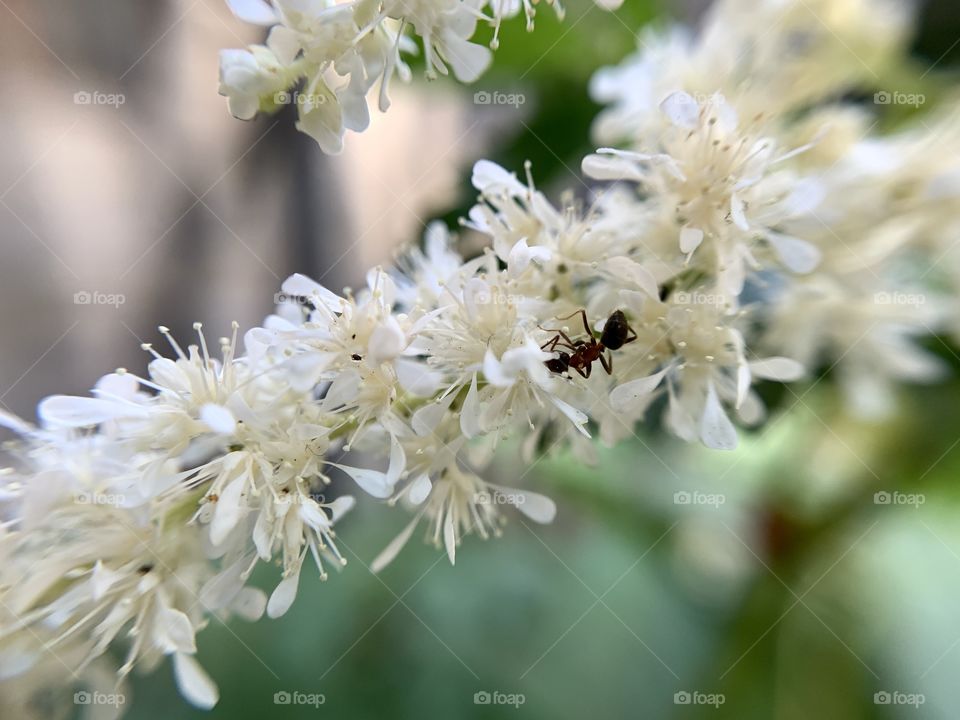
{"x":218,"y":419}
{"x":393,"y":547}
{"x":256,"y":12}
{"x":300,"y":286}
{"x":386,"y":341}
{"x":426,"y":419}
{"x":283,"y":596}
{"x":471,"y":412}
{"x":340,"y":507}
{"x":738,"y":212}
{"x":716,"y":430}
{"x":450,"y":538}
{"x":489,"y":176}
{"x":71,"y":411}
{"x":417,"y":378}
{"x":250,"y":604}
{"x":777,"y":368}
{"x":468,"y":60}
{"x":373,"y":482}
{"x":577,"y":417}
{"x":629,"y":396}
{"x":623,"y":268}
{"x":175,"y":631}
{"x":535,"y":506}
{"x":420,"y":489}
{"x":228,"y":510}
{"x":797,"y":255}
{"x":682,"y":110}
{"x":690,"y":239}
{"x":194,"y":683}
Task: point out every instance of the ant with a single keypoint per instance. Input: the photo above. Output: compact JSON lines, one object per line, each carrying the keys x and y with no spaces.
{"x":616,"y":333}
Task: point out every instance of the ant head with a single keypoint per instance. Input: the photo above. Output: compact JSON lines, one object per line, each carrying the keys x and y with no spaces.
{"x":558,"y":364}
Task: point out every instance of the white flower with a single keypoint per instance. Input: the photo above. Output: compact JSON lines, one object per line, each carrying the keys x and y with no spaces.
{"x":445,"y":26}
{"x":800,"y":54}
{"x":186,"y":408}
{"x":121,"y":578}
{"x":872,"y":331}
{"x":422,"y":276}
{"x":342,"y":49}
{"x":251,"y":78}
{"x":459,"y":504}
{"x":706,"y":368}
{"x":722,"y":186}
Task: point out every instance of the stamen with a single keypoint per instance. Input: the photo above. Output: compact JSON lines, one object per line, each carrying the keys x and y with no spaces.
{"x":165,"y":331}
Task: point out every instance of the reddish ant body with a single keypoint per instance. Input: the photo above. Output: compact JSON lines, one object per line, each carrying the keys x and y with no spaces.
{"x":616,"y":333}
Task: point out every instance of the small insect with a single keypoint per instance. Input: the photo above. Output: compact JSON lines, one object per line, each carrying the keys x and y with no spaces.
{"x":616,"y":333}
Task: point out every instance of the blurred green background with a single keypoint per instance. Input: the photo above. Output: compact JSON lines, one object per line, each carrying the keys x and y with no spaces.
{"x":801,"y":595}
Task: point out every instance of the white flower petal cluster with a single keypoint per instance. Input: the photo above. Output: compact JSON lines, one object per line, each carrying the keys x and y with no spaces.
{"x":838,"y":241}
{"x":325,"y":56}
{"x":746,"y":227}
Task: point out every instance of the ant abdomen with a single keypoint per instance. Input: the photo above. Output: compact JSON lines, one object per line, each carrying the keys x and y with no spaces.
{"x":616,"y":331}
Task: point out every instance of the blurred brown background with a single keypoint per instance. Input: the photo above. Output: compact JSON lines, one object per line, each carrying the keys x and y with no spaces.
{"x":125,"y":183}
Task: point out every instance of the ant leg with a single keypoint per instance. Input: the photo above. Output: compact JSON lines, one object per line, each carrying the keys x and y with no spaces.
{"x":560,"y":334}
{"x":633,"y":333}
{"x":586,"y":325}
{"x":582,"y":373}
{"x":583,"y":314}
{"x":589,"y":370}
{"x":607,"y":363}
{"x":552,"y":343}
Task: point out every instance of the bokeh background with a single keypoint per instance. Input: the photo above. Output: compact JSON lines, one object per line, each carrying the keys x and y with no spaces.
{"x":787,"y":585}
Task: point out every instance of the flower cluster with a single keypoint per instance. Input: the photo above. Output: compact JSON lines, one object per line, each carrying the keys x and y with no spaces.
{"x":741,"y":146}
{"x":337,"y":51}
{"x":747,"y":226}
